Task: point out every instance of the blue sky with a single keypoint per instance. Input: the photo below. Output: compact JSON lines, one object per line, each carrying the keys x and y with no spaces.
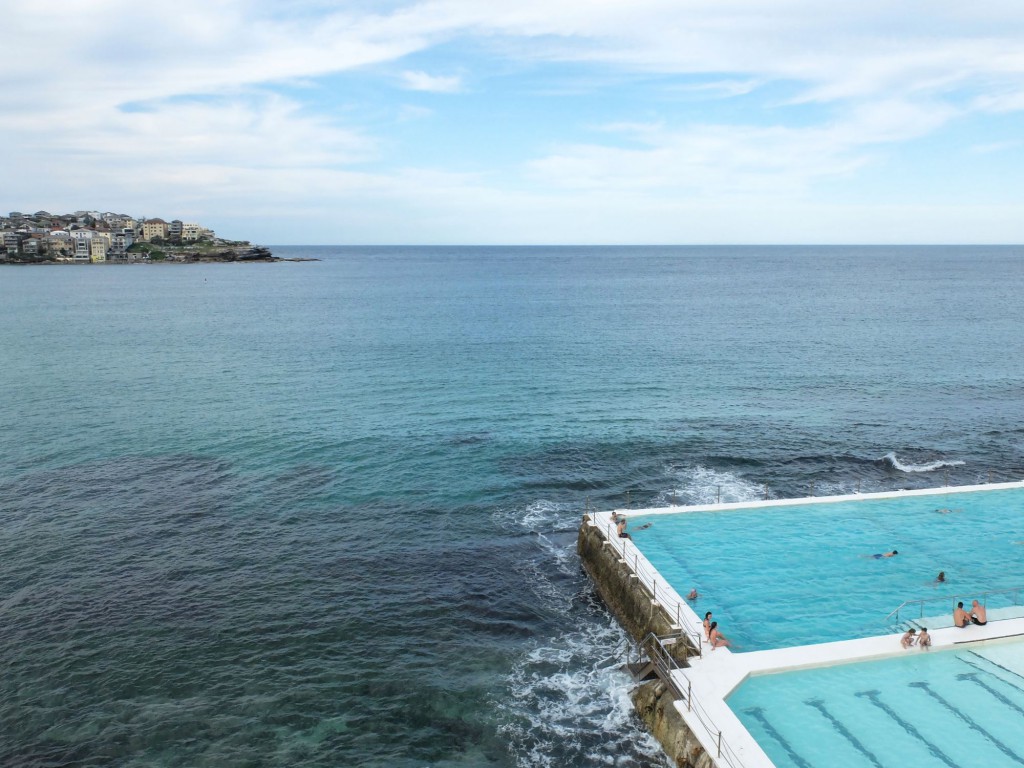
{"x":458,"y":121}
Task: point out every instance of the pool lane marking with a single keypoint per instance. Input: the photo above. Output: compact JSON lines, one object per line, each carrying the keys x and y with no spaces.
{"x":819,"y":705}
{"x":994,"y":664}
{"x":970,"y":721}
{"x":973,"y":677}
{"x":758,"y":714}
{"x":873,"y":697}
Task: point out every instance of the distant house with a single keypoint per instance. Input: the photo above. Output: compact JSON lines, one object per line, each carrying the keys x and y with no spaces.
{"x":81,"y":252}
{"x":154,"y":228}
{"x":98,"y":247}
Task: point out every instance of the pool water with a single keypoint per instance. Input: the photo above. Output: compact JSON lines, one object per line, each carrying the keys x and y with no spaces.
{"x":795,"y":575}
{"x":940,"y":708}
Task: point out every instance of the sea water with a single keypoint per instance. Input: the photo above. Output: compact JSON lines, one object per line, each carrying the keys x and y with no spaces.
{"x":324,"y":513}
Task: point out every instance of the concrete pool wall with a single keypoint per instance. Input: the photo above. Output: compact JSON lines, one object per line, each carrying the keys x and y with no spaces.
{"x":694,"y":724}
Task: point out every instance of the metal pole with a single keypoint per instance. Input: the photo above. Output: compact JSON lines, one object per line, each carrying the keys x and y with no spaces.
{"x":946,"y":475}
{"x":858,"y":486}
{"x":689,"y":694}
{"x":719,"y":499}
{"x":719,"y":743}
{"x":766,"y":491}
{"x":812,"y":487}
{"x":990,"y":476}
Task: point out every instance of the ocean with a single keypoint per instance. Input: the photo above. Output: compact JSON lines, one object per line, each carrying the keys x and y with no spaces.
{"x":324,"y":513}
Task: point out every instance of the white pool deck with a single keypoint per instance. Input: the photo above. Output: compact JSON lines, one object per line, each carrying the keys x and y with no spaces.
{"x":717,"y":673}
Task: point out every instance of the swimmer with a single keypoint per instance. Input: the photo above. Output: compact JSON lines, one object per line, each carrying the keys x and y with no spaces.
{"x":693,"y":594}
{"x":924,"y":640}
{"x":909,"y":638}
{"x":880,"y":555}
{"x":960,"y":617}
{"x":941,"y":578}
{"x":645,"y":526}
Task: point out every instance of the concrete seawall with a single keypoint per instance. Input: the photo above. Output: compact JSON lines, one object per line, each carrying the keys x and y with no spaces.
{"x":641,"y":615}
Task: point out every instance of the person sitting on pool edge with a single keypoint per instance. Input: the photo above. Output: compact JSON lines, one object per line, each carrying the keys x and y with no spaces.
{"x":978,"y":614}
{"x":924,"y":640}
{"x":707,"y":626}
{"x":716,"y":638}
{"x":908,"y":638}
{"x":622,"y":529}
{"x":960,"y":617}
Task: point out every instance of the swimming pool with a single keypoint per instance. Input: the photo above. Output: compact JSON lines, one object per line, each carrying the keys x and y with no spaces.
{"x":940,"y":709}
{"x":800,"y":574}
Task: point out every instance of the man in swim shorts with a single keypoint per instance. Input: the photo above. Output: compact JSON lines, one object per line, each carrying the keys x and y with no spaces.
{"x":622,"y":529}
{"x":908,"y":638}
{"x":978,"y":614}
{"x":960,"y":617}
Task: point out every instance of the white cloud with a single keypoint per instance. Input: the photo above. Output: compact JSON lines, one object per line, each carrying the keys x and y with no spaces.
{"x":421,"y":81}
{"x":207,"y":130}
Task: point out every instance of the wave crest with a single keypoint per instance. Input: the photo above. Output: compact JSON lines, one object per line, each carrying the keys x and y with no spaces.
{"x":931,"y":466}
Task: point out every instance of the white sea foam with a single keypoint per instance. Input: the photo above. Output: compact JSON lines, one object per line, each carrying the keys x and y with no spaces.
{"x":568,"y":701}
{"x":931,"y":466}
{"x":570,"y":705}
{"x":701,"y":485}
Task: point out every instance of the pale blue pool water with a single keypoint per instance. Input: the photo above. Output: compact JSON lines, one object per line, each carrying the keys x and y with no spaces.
{"x":938,"y":709}
{"x":783,"y":576}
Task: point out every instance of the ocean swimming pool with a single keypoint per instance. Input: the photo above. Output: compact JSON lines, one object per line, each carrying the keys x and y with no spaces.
{"x":801,"y":574}
{"x":923,"y":709}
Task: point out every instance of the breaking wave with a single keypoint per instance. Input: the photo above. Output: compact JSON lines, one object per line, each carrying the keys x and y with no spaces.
{"x":701,"y":485}
{"x":931,"y":466}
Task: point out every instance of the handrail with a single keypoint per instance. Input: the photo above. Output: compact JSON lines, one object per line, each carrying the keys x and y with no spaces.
{"x":649,"y":579}
{"x":723,"y":753}
{"x":974,"y":595}
{"x":664,"y":664}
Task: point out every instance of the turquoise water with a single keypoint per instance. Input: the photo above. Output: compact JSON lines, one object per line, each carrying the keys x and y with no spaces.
{"x":782,"y":576}
{"x":934,"y":709}
{"x":324,"y":513}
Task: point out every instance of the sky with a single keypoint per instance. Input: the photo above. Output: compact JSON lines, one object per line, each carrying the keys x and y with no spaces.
{"x":526,"y":122}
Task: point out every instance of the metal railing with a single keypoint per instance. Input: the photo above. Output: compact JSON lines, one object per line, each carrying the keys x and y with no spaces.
{"x":906,"y":606}
{"x":664,"y":664}
{"x":664,"y":595}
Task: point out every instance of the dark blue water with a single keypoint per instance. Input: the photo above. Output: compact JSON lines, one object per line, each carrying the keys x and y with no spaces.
{"x":324,"y":513}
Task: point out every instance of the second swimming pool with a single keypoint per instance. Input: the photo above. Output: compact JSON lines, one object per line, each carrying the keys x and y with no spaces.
{"x":937,"y":709}
{"x":795,"y":575}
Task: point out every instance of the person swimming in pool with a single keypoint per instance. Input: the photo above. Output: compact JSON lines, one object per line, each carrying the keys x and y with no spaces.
{"x":941,"y":578}
{"x":693,"y":594}
{"x":880,"y":555}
